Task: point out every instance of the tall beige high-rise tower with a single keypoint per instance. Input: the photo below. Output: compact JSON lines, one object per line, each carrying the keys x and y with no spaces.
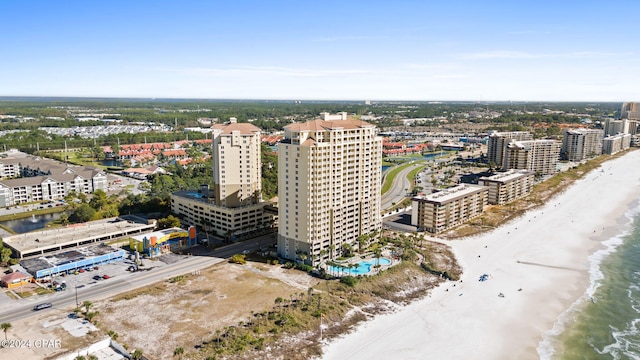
{"x":329,"y":178}
{"x":630,"y":110}
{"x":236,"y":164}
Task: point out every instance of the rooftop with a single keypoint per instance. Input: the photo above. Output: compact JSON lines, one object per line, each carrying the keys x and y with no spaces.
{"x":72,"y":234}
{"x":451,"y":193}
{"x":507,"y":175}
{"x":49,"y":261}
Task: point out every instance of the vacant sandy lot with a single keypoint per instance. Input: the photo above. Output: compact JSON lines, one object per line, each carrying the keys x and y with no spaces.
{"x":186,"y":313}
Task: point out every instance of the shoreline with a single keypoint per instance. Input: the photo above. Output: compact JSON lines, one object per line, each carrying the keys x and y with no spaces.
{"x":545,"y":253}
{"x":609,"y":241}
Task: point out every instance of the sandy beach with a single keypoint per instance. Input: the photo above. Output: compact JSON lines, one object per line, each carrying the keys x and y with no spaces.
{"x":538,"y":262}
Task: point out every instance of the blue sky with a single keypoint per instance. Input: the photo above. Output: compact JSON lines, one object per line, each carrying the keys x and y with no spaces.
{"x":323,"y":50}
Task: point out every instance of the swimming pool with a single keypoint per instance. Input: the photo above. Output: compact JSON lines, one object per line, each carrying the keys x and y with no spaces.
{"x":194,"y":194}
{"x":364,"y":267}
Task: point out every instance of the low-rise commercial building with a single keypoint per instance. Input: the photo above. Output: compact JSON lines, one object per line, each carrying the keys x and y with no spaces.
{"x":163,"y":241}
{"x":72,"y":261}
{"x":443,"y":210}
{"x":15,"y":279}
{"x":508,"y":186}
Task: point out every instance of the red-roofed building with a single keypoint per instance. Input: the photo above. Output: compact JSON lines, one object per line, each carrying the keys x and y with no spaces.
{"x":175,"y":154}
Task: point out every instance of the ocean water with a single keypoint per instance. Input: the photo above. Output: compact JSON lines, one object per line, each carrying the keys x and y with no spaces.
{"x":605,"y":322}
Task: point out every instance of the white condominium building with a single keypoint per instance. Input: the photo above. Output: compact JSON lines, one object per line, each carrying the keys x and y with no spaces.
{"x":329,"y":176}
{"x":498,"y":142}
{"x":508,"y":186}
{"x":581,"y":144}
{"x":236,"y":164}
{"x":616,"y":143}
{"x":539,"y":156}
{"x":443,"y":210}
{"x":613,"y":127}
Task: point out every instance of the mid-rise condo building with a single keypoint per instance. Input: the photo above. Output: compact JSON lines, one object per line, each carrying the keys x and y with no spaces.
{"x":616,"y":143}
{"x":507,"y":186}
{"x":538,"y":156}
{"x":445,"y":209}
{"x":581,"y":144}
{"x":498,"y":142}
{"x":33,"y":178}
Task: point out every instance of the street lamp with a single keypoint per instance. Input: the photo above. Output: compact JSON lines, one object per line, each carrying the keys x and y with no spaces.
{"x":77,"y":303}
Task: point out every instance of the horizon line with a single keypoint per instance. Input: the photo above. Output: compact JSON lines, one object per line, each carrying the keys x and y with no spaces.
{"x":17,"y":97}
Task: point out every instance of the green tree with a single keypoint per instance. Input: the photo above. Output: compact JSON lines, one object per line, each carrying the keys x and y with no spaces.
{"x":64,"y":219}
{"x":83,"y":213}
{"x":5,"y":327}
{"x":99,"y":200}
{"x":97,"y":152}
{"x":178,"y":352}
{"x":5,"y":255}
{"x":168,"y":222}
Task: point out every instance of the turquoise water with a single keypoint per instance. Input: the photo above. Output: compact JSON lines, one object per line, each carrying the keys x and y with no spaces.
{"x":607,"y":327}
{"x":364,"y":267}
{"x":195,"y":194}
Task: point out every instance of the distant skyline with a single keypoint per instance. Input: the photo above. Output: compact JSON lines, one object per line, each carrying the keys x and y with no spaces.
{"x":325,"y":50}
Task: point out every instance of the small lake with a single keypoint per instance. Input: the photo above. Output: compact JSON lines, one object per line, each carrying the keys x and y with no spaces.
{"x":112,"y":162}
{"x":37,"y":222}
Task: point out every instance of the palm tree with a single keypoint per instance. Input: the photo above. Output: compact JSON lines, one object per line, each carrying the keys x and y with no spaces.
{"x":87,"y":305}
{"x":137,"y":355}
{"x":362,"y":242}
{"x":5,"y":327}
{"x":91,"y":315}
{"x":378,"y":253}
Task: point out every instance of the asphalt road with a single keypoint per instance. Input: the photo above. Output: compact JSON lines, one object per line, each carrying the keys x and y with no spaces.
{"x":399,"y":189}
{"x":114,"y":286}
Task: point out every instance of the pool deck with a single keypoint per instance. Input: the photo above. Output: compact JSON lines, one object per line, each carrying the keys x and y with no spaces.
{"x":386,"y":254}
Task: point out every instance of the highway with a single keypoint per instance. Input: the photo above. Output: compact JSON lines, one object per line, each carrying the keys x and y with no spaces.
{"x":130,"y":281}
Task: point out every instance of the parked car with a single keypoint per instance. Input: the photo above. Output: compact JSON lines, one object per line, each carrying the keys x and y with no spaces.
{"x":105,"y":276}
{"x":97,"y":277}
{"x":42,"y":306}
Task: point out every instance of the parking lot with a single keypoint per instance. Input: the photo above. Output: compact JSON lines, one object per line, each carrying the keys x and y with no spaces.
{"x":110,"y":272}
